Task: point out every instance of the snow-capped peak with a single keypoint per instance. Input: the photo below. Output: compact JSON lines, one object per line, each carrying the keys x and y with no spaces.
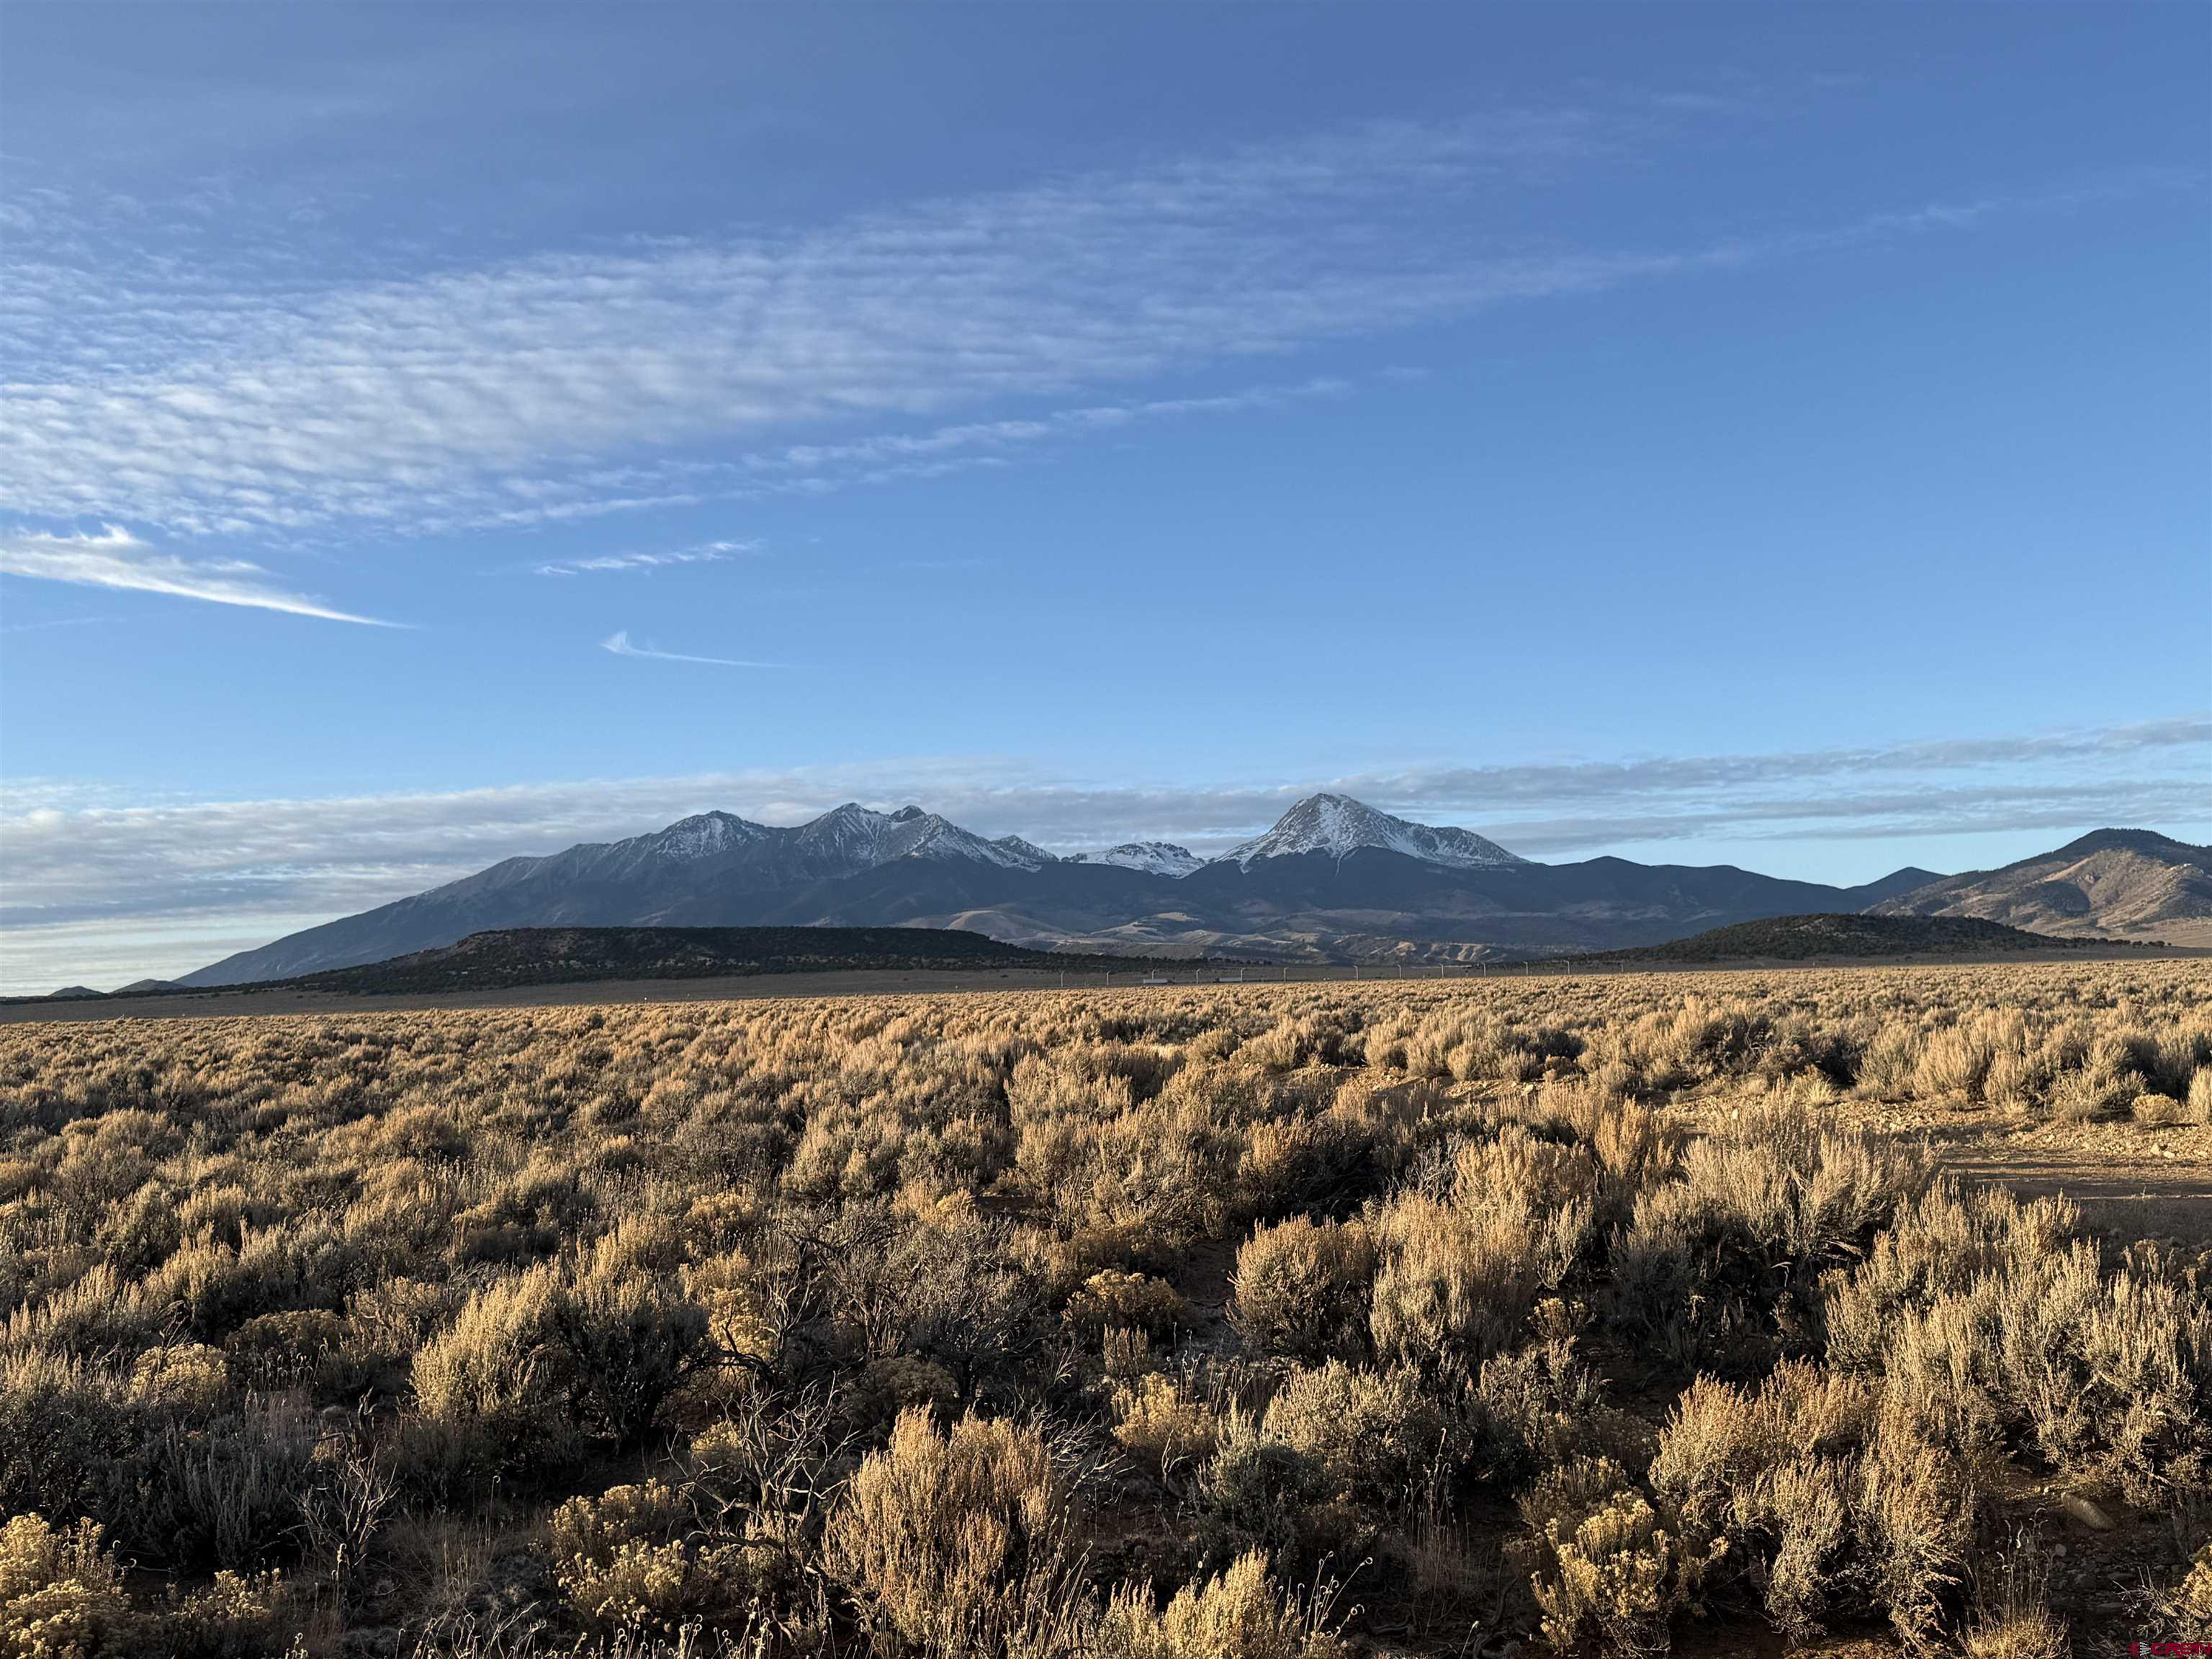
{"x":1339,"y":826}
{"x":1153,"y":858}
{"x":861,"y":840}
{"x":704,"y":835}
{"x":1028,"y":852}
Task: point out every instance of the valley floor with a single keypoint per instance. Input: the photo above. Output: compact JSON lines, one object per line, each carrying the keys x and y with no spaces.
{"x":245,"y":1001}
{"x":1845,"y":1311}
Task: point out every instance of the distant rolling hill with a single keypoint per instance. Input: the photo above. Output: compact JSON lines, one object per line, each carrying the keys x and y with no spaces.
{"x":1810,"y":938}
{"x":2113,"y":884}
{"x":569,"y":956}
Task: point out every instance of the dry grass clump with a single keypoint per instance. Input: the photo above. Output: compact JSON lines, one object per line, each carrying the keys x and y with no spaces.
{"x":1075,"y":1326}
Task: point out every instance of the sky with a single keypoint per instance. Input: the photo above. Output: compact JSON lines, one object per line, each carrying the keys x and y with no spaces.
{"x":1775,"y":436}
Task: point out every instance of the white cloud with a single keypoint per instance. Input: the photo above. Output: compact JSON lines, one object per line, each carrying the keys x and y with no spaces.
{"x":206,"y":400}
{"x":86,"y":870}
{"x":621,"y":644}
{"x":54,"y":621}
{"x":705,"y":553}
{"x":115,"y":558}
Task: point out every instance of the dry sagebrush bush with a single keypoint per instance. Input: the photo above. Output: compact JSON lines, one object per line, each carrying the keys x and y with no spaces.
{"x":61,"y":1593}
{"x":1377,"y":1438}
{"x":958,"y":1541}
{"x":1115,"y":1301}
{"x":1302,"y":1291}
{"x":636,"y":1560}
{"x":368,"y":1298}
{"x":1990,"y":1326}
{"x":1159,"y":1421}
{"x":1602,"y":1562}
{"x":539,"y":1359}
{"x":1458,"y":1280}
{"x":1239,"y":1614}
{"x":1713,"y":1264}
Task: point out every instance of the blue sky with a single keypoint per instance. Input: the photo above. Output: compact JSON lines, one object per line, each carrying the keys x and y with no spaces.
{"x":1774,"y":436}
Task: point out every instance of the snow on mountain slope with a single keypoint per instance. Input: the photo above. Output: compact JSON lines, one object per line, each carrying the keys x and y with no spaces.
{"x":930,"y":836}
{"x":1339,"y":826}
{"x":1029,"y":855}
{"x":709,"y":835}
{"x":853,"y":839}
{"x":1153,"y":858}
{"x":699,"y":837}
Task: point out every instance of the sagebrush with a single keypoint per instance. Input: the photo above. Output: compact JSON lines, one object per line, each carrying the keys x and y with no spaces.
{"x":1298,"y":1321}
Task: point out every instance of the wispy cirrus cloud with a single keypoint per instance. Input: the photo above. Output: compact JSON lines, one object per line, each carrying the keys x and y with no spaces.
{"x":880,"y":458}
{"x":115,"y":558}
{"x":622,"y":645}
{"x":259,"y":401}
{"x":50,"y":623}
{"x":89,"y":871}
{"x":704,"y":553}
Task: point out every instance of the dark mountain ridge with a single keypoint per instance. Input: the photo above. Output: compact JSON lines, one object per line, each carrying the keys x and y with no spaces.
{"x":513,"y":957}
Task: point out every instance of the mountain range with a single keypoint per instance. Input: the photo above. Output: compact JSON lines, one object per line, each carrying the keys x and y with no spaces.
{"x":2111,"y":884}
{"x":1332,"y":880}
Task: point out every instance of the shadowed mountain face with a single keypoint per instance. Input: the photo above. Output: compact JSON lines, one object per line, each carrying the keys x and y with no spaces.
{"x":1333,"y":879}
{"x":2113,"y":884}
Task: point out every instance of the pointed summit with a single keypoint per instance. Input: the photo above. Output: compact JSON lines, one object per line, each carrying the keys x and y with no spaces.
{"x":703,"y":833}
{"x":1340,"y":826}
{"x":1030,"y":855}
